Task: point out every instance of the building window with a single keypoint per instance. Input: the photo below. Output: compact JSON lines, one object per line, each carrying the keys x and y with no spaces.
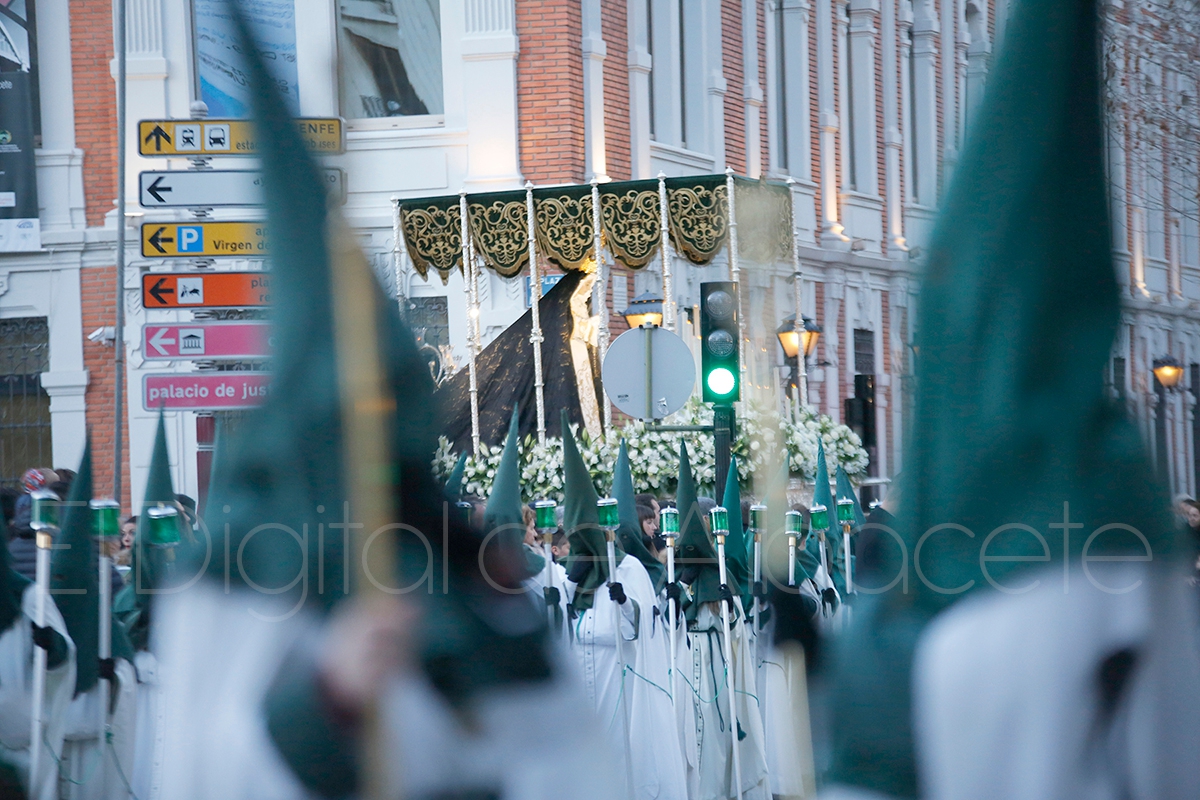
{"x":1117,"y":378}
{"x":781,"y":90}
{"x":220,"y":72}
{"x":390,"y":58}
{"x":24,"y":404}
{"x":864,"y":352}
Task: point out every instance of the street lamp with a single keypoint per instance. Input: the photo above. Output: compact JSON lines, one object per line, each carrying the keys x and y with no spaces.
{"x":799,"y":344}
{"x":791,"y":340}
{"x":1168,"y":370}
{"x":646,"y":307}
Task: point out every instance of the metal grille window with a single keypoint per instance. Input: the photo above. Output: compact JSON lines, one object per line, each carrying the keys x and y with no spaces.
{"x":864,"y":352}
{"x":24,"y":404}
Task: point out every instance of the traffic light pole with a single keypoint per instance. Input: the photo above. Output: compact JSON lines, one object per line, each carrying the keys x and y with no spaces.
{"x":723,"y":425}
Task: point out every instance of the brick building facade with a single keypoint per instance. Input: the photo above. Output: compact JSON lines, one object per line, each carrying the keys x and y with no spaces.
{"x":862,"y":104}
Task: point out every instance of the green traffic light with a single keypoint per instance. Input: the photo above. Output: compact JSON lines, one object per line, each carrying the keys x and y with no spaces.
{"x":721,"y":381}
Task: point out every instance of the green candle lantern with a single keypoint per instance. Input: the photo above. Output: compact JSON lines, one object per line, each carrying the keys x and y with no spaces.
{"x":106,"y":517}
{"x":164,"y":526}
{"x":819,"y":515}
{"x":668,"y":521}
{"x":845,"y":510}
{"x":719,"y":519}
{"x":606,"y":507}
{"x":44,"y":510}
{"x":545,"y":518}
{"x":794,"y":522}
{"x":758,"y":517}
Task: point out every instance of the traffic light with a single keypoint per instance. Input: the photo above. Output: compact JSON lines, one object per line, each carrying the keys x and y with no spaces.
{"x":719,"y":342}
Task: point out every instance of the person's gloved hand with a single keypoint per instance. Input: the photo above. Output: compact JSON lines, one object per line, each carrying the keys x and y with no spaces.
{"x":616,"y":593}
{"x":759,"y":592}
{"x":726,"y":595}
{"x":675,"y":592}
{"x":43,"y":637}
{"x":108,"y":669}
{"x":829,"y":597}
{"x":553,"y":596}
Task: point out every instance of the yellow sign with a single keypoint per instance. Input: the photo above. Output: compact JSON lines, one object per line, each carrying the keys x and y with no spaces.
{"x":204,"y":240}
{"x":199,"y":138}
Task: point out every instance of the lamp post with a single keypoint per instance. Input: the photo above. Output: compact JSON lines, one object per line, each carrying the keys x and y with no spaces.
{"x":646,"y":307}
{"x":845,"y":514}
{"x":799,"y":342}
{"x":668,"y":525}
{"x":546,"y":523}
{"x":609,"y":516}
{"x":719,"y":523}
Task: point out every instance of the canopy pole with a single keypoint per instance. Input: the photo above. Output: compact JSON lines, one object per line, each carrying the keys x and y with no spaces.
{"x":471,"y":290}
{"x":44,"y":538}
{"x":398,"y":248}
{"x":667,"y":282}
{"x":600,"y":298}
{"x":729,"y":671}
{"x":801,"y":359}
{"x":735,"y":274}
{"x":535,"y":290}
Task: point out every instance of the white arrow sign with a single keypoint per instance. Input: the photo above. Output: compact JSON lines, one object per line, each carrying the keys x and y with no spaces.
{"x":158,"y":340}
{"x":216,"y":188}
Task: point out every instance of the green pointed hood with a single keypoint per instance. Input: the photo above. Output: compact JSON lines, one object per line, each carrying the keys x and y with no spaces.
{"x":629,"y":534}
{"x":587,"y":565}
{"x":833,"y":536}
{"x":846,"y":489}
{"x":737,"y":563}
{"x":504,"y":506}
{"x":696,"y":556}
{"x":504,"y":503}
{"x":454,"y":483}
{"x":1006,"y":428}
{"x":148,"y":561}
{"x":73,"y":576}
{"x":342,"y":350}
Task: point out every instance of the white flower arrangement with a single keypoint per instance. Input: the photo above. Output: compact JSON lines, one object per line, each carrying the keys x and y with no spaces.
{"x":654,"y":455}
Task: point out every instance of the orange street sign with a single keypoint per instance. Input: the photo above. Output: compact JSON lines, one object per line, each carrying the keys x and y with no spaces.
{"x":206,"y":289}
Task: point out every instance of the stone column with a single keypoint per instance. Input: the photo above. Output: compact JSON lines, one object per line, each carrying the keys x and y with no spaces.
{"x":831,"y":229}
{"x":594,"y":52}
{"x":893,"y":75}
{"x":639,"y":66}
{"x":489,"y":70}
{"x":59,"y":161}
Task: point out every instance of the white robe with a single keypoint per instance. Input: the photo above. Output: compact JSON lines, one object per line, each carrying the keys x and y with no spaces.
{"x":96,"y":771}
{"x":658,"y":769}
{"x":706,"y":711}
{"x":1006,"y":689}
{"x":528,"y":740}
{"x":16,"y":697}
{"x":558,"y":579}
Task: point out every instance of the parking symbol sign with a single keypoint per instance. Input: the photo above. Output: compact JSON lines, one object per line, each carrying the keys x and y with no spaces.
{"x":191,"y":238}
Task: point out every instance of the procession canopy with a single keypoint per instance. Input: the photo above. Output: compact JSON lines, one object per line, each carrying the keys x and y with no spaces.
{"x":505,"y":373}
{"x":630,"y":221}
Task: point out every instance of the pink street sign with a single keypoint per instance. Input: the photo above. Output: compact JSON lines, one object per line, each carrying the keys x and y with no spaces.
{"x":198,"y":341}
{"x":205,"y":391}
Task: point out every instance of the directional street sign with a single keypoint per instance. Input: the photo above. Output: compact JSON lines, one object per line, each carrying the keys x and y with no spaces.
{"x":228,"y":137}
{"x":215,"y":188}
{"x":204,"y":239}
{"x":205,"y":289}
{"x":202,"y":391}
{"x":205,"y":340}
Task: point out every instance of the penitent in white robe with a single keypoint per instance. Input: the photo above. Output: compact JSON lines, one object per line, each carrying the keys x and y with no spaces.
{"x":558,"y":579}
{"x":94,"y":770}
{"x":704,"y":712}
{"x":657,"y":760}
{"x":219,"y":655}
{"x":16,"y":697}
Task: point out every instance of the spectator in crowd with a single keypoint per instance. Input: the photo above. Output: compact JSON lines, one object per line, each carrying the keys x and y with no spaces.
{"x":125,"y":551}
{"x":650,"y":537}
{"x":21,"y":544}
{"x":646,"y":499}
{"x":8,"y":506}
{"x":560,"y":546}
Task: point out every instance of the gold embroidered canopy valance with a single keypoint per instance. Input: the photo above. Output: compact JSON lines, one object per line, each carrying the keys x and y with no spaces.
{"x":630,"y":223}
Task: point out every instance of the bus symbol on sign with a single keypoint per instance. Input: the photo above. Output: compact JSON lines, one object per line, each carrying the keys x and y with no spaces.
{"x":191,"y":341}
